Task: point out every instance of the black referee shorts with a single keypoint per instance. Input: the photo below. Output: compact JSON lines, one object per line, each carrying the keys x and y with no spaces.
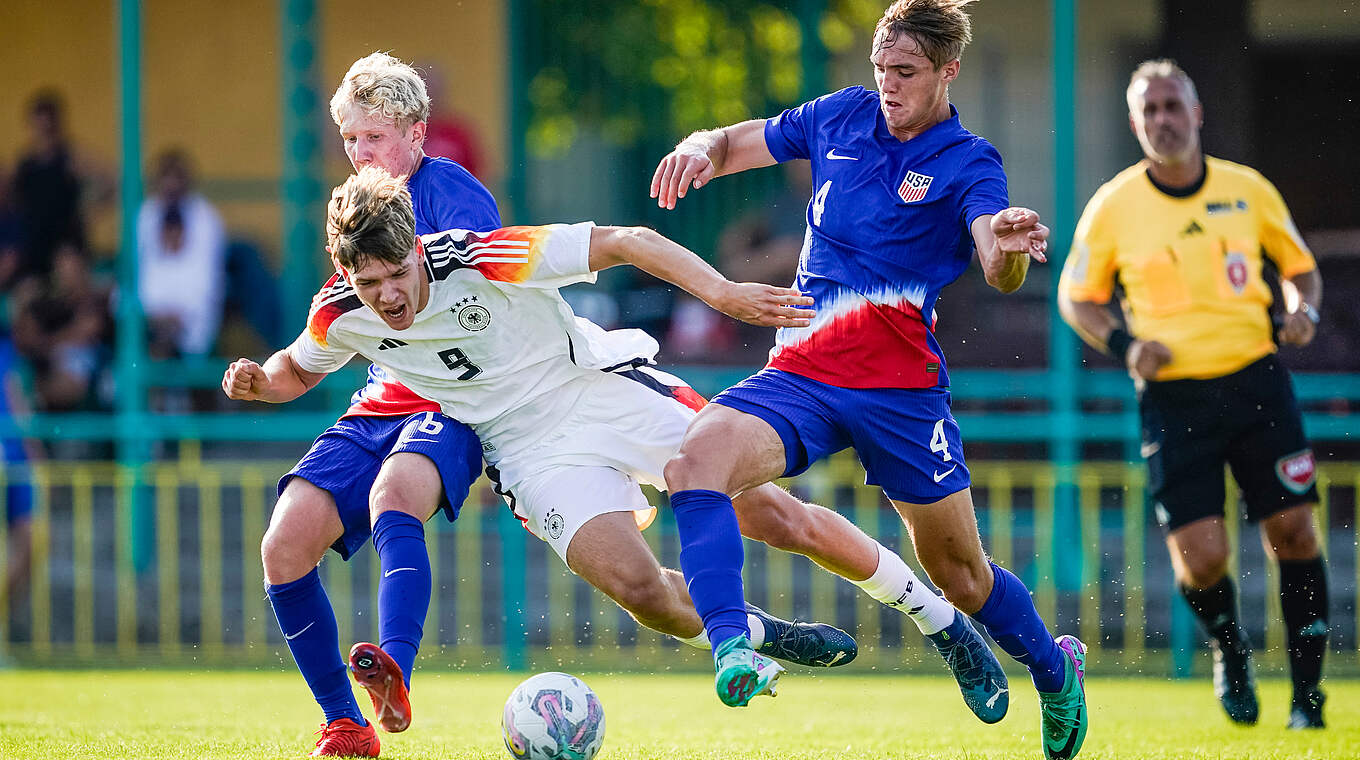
{"x":1248,"y":419}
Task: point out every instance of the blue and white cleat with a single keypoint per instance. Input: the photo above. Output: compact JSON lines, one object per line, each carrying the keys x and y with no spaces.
{"x":742,"y":674}
{"x":975,"y":667}
{"x":814,"y":644}
{"x":1062,"y":714}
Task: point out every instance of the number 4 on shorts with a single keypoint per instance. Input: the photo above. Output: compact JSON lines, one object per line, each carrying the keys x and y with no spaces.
{"x":938,"y":443}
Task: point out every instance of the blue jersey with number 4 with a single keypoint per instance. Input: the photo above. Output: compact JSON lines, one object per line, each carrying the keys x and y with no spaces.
{"x":888,"y":228}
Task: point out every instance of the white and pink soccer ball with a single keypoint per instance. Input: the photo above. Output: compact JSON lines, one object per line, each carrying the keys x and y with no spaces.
{"x":553,"y":716}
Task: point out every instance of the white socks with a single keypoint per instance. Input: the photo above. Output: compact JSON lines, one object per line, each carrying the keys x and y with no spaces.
{"x":757,"y":634}
{"x":895,"y":585}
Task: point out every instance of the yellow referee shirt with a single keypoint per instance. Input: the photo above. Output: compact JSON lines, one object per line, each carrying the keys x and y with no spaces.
{"x":1190,"y":266}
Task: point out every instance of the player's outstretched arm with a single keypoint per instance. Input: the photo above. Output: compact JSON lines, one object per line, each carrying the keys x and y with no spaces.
{"x":278,"y":381}
{"x":648,"y":250}
{"x":708,"y":154}
{"x":1006,"y":242}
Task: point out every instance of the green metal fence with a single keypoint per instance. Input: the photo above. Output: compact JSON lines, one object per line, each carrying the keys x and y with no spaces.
{"x":502,"y":598}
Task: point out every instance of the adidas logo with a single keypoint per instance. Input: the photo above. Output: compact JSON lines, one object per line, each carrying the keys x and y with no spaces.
{"x":390,"y":343}
{"x":1192,"y":229}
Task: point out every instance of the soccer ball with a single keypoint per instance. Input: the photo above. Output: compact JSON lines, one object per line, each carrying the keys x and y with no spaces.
{"x":553,"y":716}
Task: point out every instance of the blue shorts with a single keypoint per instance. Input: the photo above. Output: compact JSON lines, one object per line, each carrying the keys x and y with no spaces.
{"x":345,"y":461}
{"x":18,"y":482}
{"x":906,"y":438}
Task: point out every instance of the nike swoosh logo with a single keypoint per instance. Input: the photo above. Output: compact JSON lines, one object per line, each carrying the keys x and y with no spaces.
{"x":299,"y":633}
{"x":992,"y":702}
{"x":942,"y":475}
{"x":420,"y":440}
{"x":834,"y":156}
{"x":396,"y":570}
{"x":1066,"y":751}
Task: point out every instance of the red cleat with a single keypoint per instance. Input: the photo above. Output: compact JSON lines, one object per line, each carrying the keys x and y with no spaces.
{"x":376,"y":671}
{"x":343,"y":737}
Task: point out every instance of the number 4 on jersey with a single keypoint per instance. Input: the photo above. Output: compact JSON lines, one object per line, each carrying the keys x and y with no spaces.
{"x":819,"y":203}
{"x":938,"y":443}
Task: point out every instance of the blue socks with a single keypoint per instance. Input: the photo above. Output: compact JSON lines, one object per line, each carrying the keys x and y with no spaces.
{"x":308,"y":624}
{"x":404,"y":588}
{"x":1013,"y":622}
{"x":711,"y":556}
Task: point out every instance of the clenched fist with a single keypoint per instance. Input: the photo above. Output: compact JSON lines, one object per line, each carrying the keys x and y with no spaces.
{"x":245,"y":380}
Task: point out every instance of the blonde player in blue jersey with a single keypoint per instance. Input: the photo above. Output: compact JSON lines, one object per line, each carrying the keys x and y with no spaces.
{"x":903,"y":194}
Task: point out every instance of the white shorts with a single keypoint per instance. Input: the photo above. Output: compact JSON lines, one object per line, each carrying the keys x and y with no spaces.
{"x":620,"y":435}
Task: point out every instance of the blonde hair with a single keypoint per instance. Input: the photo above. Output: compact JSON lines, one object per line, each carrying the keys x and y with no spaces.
{"x":940,"y":27}
{"x":380,"y":85}
{"x":370,"y":217}
{"x":1159,"y":68}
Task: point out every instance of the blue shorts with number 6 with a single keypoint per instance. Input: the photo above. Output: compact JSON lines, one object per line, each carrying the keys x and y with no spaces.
{"x":906,"y":438}
{"x":345,"y":461}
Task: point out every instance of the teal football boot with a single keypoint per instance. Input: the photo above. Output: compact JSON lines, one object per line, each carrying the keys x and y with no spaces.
{"x":742,"y":674}
{"x":1062,"y":714}
{"x":975,"y":668}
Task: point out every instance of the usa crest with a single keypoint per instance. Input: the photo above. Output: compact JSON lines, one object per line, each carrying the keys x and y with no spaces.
{"x":914,"y":187}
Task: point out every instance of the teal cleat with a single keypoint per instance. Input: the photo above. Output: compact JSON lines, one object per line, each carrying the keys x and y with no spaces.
{"x":1062,"y":715}
{"x":817,"y":645}
{"x":975,"y":667}
{"x":743,"y":674}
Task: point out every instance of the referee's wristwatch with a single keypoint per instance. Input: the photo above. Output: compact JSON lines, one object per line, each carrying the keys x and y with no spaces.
{"x":1310,"y":312}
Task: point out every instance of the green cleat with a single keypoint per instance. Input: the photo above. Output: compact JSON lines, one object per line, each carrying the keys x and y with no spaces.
{"x":1062,"y":715}
{"x":743,"y":674}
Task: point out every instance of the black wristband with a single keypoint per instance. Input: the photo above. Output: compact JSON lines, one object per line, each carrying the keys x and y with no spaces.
{"x":1118,"y":344}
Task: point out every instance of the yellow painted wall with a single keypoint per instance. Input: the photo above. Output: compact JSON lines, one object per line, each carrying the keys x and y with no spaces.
{"x":211,"y":83}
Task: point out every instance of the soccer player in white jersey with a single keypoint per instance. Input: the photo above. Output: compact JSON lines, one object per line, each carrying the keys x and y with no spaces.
{"x":571,"y":416}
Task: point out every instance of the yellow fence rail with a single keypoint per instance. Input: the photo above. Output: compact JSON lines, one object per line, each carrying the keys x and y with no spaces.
{"x":201,"y":600}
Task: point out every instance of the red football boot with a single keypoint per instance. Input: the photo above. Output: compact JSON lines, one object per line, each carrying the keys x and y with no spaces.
{"x":343,"y":737}
{"x":377,"y":672}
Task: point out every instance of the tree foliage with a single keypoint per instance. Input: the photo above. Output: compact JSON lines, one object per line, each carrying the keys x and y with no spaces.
{"x":630,"y":70}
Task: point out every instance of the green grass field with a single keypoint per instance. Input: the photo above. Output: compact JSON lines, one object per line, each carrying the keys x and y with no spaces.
{"x":207,"y":715}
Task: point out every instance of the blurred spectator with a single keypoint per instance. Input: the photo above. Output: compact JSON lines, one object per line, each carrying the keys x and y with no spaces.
{"x":181,"y":250}
{"x":47,"y":188}
{"x":11,"y":235}
{"x":62,"y":326}
{"x":252,"y":300}
{"x":447,"y":134}
{"x":18,"y":493}
{"x":762,"y":246}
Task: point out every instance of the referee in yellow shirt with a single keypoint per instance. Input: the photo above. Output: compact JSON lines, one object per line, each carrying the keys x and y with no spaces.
{"x":1185,"y":236}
